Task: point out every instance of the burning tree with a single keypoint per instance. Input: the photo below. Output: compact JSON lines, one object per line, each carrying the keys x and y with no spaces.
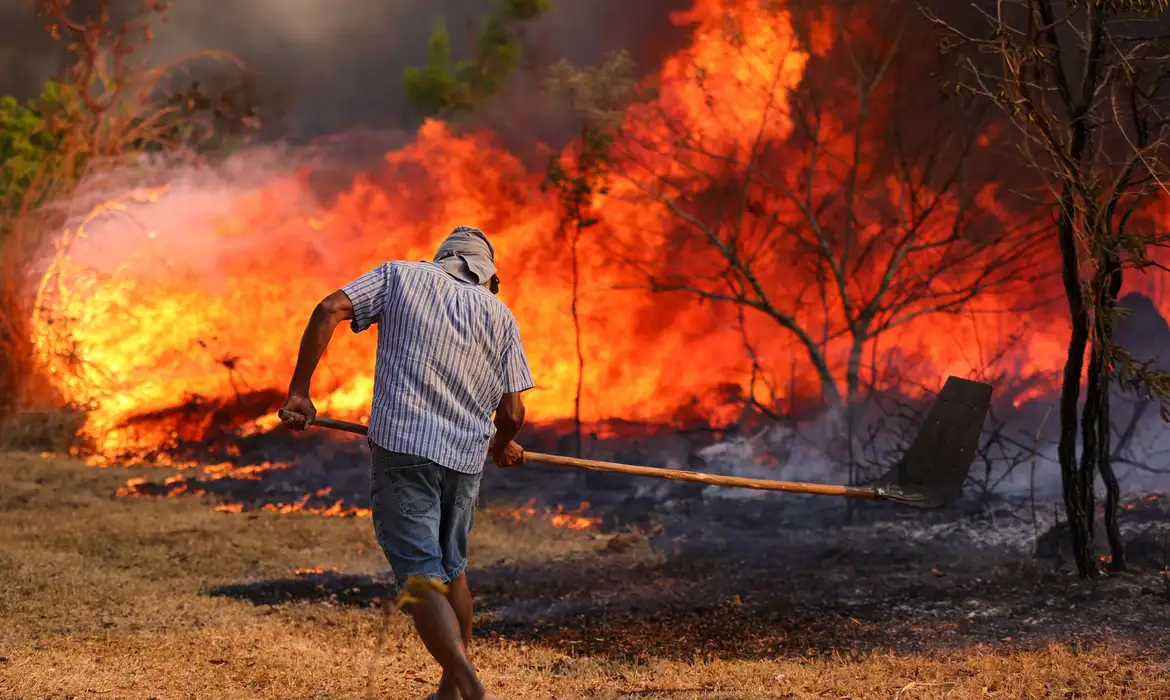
{"x":837,"y":201}
{"x":599,"y":97}
{"x":1084,"y":85}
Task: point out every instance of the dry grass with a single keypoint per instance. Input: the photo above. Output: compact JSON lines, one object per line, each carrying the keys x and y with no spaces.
{"x":55,"y":431}
{"x":106,"y":598}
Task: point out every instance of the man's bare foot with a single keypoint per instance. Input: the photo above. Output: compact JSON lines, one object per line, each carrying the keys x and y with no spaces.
{"x":486,"y":696}
{"x":447,"y":690}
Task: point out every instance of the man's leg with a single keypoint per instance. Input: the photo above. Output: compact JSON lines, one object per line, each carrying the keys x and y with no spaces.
{"x":406,"y":499}
{"x":459,"y":594}
{"x":438,"y":627}
{"x":460,"y":495}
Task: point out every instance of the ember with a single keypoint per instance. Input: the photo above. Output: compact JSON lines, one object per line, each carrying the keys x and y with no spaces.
{"x":177,"y":484}
{"x":336,"y":510}
{"x":570,"y":520}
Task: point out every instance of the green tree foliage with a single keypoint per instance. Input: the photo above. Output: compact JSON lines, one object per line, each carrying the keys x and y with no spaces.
{"x":31,"y":134}
{"x":99,"y":112}
{"x":446,"y":86}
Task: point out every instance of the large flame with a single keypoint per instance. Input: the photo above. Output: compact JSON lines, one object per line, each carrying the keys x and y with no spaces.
{"x":203,"y":291}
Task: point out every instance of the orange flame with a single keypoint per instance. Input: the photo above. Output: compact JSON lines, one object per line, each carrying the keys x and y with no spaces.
{"x":569,"y":520}
{"x":209,"y":298}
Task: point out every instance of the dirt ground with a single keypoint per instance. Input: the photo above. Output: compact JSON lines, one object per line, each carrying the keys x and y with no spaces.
{"x":109,"y":597}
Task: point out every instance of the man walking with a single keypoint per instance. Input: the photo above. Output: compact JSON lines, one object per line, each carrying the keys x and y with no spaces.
{"x":449,"y":356}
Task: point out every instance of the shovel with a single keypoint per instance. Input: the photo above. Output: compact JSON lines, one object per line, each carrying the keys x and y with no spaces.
{"x":929,"y":475}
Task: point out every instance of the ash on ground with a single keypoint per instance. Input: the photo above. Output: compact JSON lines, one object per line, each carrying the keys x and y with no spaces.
{"x":738,"y":574}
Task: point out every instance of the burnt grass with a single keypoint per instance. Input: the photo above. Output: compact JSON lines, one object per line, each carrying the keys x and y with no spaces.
{"x":755,"y":576}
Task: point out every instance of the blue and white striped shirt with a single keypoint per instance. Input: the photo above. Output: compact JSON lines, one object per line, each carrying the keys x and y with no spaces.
{"x":447,"y":352}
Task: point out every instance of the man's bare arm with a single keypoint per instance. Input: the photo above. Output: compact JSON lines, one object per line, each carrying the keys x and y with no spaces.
{"x":509,"y":420}
{"x":328,"y":314}
{"x":509,"y":417}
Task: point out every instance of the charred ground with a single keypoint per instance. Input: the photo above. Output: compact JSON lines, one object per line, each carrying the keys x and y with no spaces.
{"x":735,"y":574}
{"x":704,"y":597}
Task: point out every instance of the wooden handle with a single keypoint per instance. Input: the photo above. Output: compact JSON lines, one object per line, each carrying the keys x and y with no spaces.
{"x":700,"y":477}
{"x":672,"y":474}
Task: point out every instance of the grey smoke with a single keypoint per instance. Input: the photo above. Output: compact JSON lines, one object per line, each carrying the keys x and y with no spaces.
{"x":343,"y":59}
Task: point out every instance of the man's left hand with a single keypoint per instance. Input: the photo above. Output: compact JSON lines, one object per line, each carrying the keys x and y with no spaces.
{"x":298,"y":412}
{"x":510,"y":455}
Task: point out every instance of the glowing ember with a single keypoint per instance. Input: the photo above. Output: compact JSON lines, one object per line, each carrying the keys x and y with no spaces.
{"x":169,"y":488}
{"x":310,"y":572}
{"x":179,"y":485}
{"x":337,"y":510}
{"x":133,"y":487}
{"x":569,"y":520}
{"x":573,"y":520}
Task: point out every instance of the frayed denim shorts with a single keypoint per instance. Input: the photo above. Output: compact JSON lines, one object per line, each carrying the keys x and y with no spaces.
{"x":423,"y":513}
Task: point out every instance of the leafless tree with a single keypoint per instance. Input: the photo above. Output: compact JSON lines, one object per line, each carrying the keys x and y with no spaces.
{"x":1084,"y":85}
{"x":597,"y":96}
{"x":840,"y":206}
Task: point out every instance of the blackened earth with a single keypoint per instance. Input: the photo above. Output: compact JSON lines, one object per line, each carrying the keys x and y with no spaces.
{"x":741,"y":575}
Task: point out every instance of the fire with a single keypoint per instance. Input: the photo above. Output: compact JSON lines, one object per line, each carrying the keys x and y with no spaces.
{"x":573,"y":520}
{"x":569,"y":520}
{"x":180,"y":484}
{"x":196,"y":291}
{"x":337,"y":510}
{"x":171,"y":487}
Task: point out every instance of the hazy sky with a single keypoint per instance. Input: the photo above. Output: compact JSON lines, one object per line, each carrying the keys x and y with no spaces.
{"x":343,"y":58}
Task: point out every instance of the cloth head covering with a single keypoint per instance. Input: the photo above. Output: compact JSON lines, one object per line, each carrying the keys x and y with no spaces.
{"x":467,"y":255}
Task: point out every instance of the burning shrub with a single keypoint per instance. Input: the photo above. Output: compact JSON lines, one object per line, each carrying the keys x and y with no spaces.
{"x":99,"y":115}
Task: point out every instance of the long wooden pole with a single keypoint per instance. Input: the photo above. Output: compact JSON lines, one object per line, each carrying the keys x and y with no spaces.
{"x":672,"y":474}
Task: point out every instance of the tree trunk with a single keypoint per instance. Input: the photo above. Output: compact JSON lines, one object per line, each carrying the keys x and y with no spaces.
{"x":853,"y":371}
{"x":578,"y":447}
{"x":1078,"y":492}
{"x":1078,"y":501}
{"x":852,"y":389}
{"x":1111,"y":269}
{"x":1096,"y":393}
{"x":830,"y":392}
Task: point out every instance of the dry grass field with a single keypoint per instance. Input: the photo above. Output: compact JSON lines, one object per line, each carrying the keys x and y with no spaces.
{"x":108,"y":597}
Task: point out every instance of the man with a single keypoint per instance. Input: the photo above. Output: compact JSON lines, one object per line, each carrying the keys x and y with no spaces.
{"x":449,"y":355}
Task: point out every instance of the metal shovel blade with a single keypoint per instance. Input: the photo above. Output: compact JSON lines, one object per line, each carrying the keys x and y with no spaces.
{"x":932,"y":472}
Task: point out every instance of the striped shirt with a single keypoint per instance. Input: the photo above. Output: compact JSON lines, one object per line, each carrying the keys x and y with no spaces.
{"x":447,"y":352}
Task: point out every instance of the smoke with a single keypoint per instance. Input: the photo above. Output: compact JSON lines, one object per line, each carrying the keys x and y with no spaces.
{"x":165,"y":217}
{"x":1017,"y":459}
{"x":342,"y":60}
{"x":167,"y":212}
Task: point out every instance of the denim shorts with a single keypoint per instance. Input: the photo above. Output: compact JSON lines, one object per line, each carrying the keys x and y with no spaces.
{"x":423,"y":513}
